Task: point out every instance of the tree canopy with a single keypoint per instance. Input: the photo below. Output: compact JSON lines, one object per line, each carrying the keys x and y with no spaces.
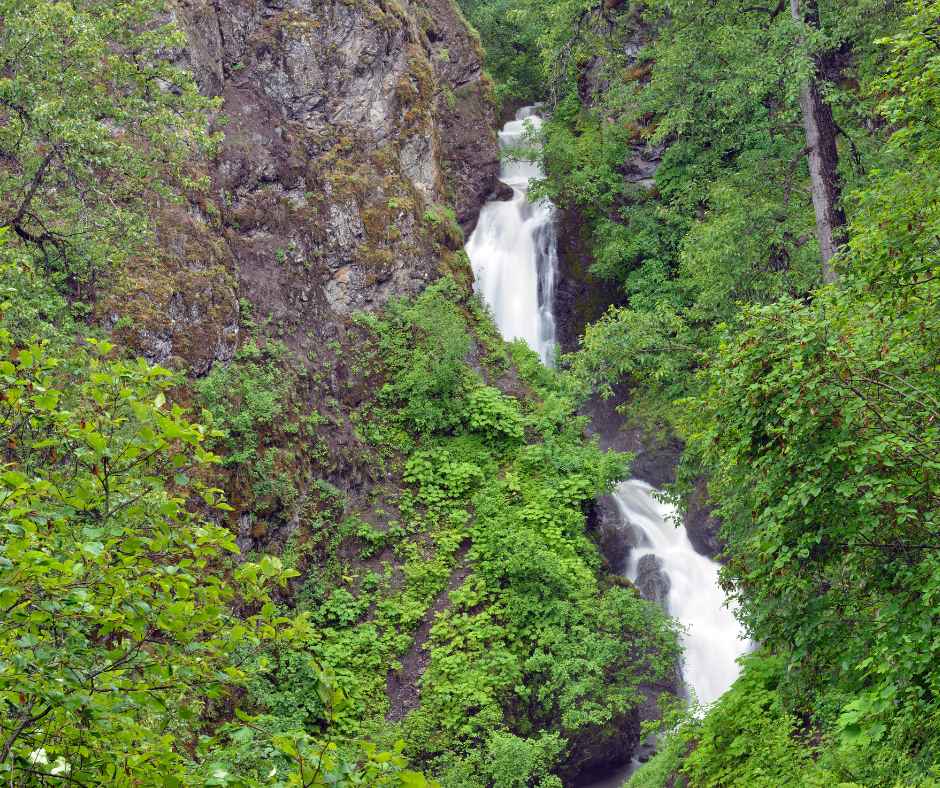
{"x":96,"y":124}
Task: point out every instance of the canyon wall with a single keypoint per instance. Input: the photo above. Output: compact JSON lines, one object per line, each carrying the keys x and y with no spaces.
{"x":358,"y":140}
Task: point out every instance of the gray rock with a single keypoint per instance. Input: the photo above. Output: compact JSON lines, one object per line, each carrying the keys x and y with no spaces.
{"x":345,"y":123}
{"x":701,"y":525}
{"x":596,"y":751}
{"x":640,"y":168}
{"x":614,"y":537}
{"x":652,"y":583}
{"x":502,"y":192}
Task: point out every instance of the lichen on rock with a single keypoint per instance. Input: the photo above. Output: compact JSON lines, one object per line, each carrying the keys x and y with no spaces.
{"x":344,"y":123}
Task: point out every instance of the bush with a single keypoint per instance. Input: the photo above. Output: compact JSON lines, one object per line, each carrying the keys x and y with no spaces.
{"x":425,"y":344}
{"x":494,"y":415}
{"x":118,"y":630}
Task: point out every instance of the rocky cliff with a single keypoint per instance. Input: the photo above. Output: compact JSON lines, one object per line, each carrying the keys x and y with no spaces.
{"x":356,"y":148}
{"x":358,"y":136}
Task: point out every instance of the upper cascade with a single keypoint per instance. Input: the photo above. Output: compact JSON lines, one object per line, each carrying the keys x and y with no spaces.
{"x":513,"y":251}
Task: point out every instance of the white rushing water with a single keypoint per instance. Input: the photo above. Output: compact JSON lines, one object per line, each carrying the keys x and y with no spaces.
{"x":513,"y":250}
{"x":513,"y":254}
{"x":712,"y":639}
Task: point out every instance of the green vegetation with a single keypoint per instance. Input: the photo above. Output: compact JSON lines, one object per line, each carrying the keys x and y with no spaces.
{"x":249,"y":402}
{"x":490,"y":531}
{"x":371,"y":550}
{"x":88,"y":140}
{"x":511,"y":47}
{"x":810,"y":409}
{"x":444,"y":607}
{"x":121,"y":646}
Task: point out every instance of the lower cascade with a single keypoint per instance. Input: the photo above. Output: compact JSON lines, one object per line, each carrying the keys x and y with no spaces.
{"x":513,"y":253}
{"x":712,"y":638}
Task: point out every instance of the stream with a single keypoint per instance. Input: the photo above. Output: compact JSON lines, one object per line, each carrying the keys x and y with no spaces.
{"x":513,"y":253}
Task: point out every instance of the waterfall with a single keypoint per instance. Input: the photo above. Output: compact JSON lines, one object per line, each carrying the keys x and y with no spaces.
{"x":513,"y":250}
{"x":513,"y":254}
{"x":712,"y":638}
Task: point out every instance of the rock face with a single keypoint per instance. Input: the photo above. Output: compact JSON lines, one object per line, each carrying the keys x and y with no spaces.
{"x":465,"y":117}
{"x":614,"y":537}
{"x":594,"y":756}
{"x":580,"y":297}
{"x":652,"y":583}
{"x":701,"y":525}
{"x":655,"y":461}
{"x":358,"y":133}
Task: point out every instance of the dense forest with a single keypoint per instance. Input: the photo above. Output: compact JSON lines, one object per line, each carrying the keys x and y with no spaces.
{"x":280,"y":506}
{"x":795,"y":350}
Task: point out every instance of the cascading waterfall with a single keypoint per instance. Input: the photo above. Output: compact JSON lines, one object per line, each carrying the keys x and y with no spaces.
{"x":712,"y":637}
{"x":513,"y":254}
{"x":513,"y":250}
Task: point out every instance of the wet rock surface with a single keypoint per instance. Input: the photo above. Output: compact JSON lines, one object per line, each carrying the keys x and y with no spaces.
{"x":580,"y":297}
{"x":655,"y":461}
{"x":597,"y":752}
{"x":501,"y":192}
{"x":614,"y":537}
{"x":652,"y":583}
{"x":701,"y":525}
{"x":641,"y":167}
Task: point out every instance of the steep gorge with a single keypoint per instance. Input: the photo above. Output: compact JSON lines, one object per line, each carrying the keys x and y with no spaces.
{"x":359,"y":147}
{"x":333,"y":529}
{"x":514,"y":257}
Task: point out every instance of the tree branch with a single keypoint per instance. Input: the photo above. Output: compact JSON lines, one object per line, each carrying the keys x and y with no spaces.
{"x":38,"y":178}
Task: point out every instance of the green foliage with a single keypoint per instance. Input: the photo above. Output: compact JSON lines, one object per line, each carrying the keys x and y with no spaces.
{"x":443,"y":220}
{"x":528,"y":652}
{"x":120,"y":638}
{"x":282,"y":745}
{"x":893,"y":235}
{"x":726,"y":219}
{"x":98,"y":125}
{"x":424,"y":344}
{"x":818,"y":427}
{"x":511,"y":648}
{"x":36,"y":308}
{"x":511,"y":47}
{"x":508,"y":762}
{"x":249,"y":404}
{"x":494,"y":415}
{"x":825,"y":478}
{"x":117,"y":625}
{"x":746,"y":739}
{"x":749,"y":738}
{"x":655,"y":347}
{"x":813,"y":412}
{"x":441,"y":479}
{"x":244,"y":398}
{"x":123,"y":659}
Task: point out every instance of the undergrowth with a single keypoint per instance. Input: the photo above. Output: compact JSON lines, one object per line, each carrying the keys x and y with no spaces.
{"x":483,"y":536}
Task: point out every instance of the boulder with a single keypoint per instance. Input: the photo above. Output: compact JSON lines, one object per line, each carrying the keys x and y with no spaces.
{"x":614,"y":537}
{"x":652,"y":583}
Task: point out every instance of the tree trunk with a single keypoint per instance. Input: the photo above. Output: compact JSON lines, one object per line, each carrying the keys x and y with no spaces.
{"x":823,"y":154}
